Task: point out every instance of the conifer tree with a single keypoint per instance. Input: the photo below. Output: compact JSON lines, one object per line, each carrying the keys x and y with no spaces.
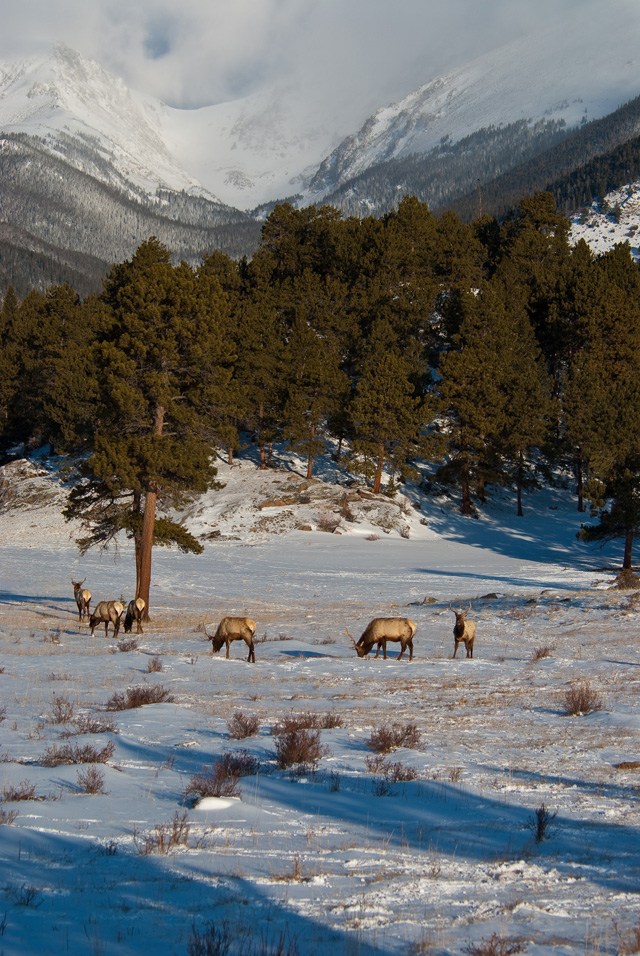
{"x":496,"y":396}
{"x":151,"y":443}
{"x":389,"y":418}
{"x":602,"y":403}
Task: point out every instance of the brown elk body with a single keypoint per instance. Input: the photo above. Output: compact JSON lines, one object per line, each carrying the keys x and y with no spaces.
{"x":135,"y":610}
{"x":234,"y":629}
{"x":107,"y":612}
{"x":383,"y":629}
{"x":83,"y":598}
{"x":464,"y":632}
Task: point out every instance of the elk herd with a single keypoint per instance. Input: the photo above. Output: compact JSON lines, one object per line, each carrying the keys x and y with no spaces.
{"x":107,"y":612}
{"x":378,"y":632}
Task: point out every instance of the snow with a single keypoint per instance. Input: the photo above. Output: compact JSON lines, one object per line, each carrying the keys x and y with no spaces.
{"x":340,"y":860}
{"x":602,"y":228}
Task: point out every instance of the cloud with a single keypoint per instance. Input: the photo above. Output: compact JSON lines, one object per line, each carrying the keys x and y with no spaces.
{"x":354,"y":53}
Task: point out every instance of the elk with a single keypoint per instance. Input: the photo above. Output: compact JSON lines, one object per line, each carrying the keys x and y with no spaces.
{"x":464,"y":632}
{"x":135,"y":610}
{"x":83,"y":598}
{"x":383,"y":629}
{"x":234,"y":629}
{"x":107,"y":612}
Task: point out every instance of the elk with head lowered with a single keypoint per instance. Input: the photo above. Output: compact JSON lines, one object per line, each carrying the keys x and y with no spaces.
{"x":383,"y":629}
{"x":83,"y":598}
{"x":464,"y":632}
{"x":107,"y":612}
{"x":234,"y":629}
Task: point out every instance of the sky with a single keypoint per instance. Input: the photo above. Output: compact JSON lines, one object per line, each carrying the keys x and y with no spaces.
{"x":200,"y":52}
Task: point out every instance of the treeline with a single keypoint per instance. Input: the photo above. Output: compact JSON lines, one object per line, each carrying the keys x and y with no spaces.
{"x":498,"y":352}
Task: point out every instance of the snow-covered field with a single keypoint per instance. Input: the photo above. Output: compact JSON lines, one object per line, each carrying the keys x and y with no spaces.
{"x":348,"y":858}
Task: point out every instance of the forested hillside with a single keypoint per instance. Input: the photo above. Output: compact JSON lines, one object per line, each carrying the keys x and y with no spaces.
{"x":66,"y":225}
{"x":491,"y":169}
{"x":470,"y":355}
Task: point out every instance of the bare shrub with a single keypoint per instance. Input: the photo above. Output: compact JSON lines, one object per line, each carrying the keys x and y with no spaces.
{"x":540,"y":822}
{"x":327,"y":521}
{"x":62,"y":711}
{"x":385,"y":739}
{"x":7,"y":817}
{"x":165,"y":836}
{"x":217,"y":939}
{"x":3,"y":709}
{"x":580,"y":699}
{"x":300,"y":749}
{"x":495,"y":946}
{"x":372,"y":537}
{"x":23,"y":791}
{"x":391,"y":772}
{"x":127,"y":644}
{"x":56,"y":756}
{"x":154,"y":666}
{"x":540,"y":653}
{"x":91,"y":780}
{"x":222,"y":779}
{"x":138,"y":696}
{"x":295,"y":874}
{"x":88,"y":724}
{"x":241,"y":726}
{"x":306,"y":721}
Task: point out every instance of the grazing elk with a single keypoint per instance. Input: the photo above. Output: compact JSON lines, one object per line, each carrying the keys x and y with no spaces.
{"x":135,"y":610}
{"x":383,"y":629}
{"x":464,"y":632}
{"x":107,"y":612}
{"x":234,"y":629}
{"x":83,"y":598}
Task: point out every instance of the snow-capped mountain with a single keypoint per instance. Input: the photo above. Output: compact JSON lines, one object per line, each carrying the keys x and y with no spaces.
{"x":66,"y":96}
{"x":569,"y":75}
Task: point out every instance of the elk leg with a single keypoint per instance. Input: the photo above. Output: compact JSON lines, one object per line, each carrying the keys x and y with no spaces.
{"x":455,"y":650}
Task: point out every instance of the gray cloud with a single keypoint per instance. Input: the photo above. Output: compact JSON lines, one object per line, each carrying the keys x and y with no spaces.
{"x":355,"y":54}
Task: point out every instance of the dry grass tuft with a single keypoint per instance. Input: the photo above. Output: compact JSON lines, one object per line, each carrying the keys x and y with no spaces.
{"x":56,"y":756}
{"x":91,"y":780}
{"x":306,"y":721}
{"x":154,"y":666}
{"x":24,"y":791}
{"x":540,"y":653}
{"x":138,"y":696}
{"x":495,"y":946}
{"x":164,"y":836}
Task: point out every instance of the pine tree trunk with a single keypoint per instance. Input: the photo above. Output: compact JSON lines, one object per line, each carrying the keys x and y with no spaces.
{"x":263,"y":463}
{"x":148,"y":525}
{"x":137,"y":539}
{"x":465,"y":506}
{"x":628,"y":549}
{"x":378,"y":479}
{"x":146,"y":545}
{"x":230,"y":457}
{"x":310,"y":457}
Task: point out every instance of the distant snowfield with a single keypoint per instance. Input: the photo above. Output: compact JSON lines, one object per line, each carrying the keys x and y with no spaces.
{"x":341,"y":860}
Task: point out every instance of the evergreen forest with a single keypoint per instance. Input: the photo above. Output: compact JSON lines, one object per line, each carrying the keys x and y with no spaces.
{"x":466,"y":355}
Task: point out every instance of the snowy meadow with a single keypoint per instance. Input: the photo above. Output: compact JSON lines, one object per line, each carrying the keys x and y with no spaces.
{"x":155,"y":797}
